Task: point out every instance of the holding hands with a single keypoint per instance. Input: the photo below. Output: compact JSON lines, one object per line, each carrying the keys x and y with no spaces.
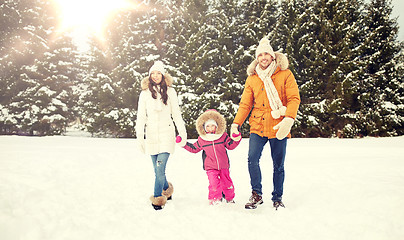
{"x":181,"y":141}
{"x":235,"y":133}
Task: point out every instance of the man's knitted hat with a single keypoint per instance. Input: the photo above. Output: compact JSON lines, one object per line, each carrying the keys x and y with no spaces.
{"x":264,"y":46}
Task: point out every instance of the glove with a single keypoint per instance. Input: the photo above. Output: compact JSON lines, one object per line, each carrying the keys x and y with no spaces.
{"x":180,"y":141}
{"x":284,"y":127}
{"x":141,"y":145}
{"x":234,"y":133}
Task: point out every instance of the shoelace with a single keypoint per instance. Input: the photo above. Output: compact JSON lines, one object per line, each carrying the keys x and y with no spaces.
{"x":254,"y":198}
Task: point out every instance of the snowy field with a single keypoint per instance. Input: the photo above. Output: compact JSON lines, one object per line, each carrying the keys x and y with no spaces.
{"x":80,"y":188}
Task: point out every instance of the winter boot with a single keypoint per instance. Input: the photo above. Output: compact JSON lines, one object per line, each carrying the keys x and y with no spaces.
{"x":278,"y":204}
{"x":254,"y":201}
{"x":169,"y":191}
{"x":158,"y":202}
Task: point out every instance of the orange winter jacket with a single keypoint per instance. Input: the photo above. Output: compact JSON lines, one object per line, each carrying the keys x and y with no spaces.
{"x":255,"y":97}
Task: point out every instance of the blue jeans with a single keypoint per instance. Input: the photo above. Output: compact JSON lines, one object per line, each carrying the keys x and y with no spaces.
{"x":278,"y":152}
{"x":159,"y":164}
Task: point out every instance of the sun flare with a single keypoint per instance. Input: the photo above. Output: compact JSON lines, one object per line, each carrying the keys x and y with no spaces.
{"x":89,"y":15}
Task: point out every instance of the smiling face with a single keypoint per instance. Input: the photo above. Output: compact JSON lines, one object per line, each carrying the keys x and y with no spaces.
{"x":264,"y":60}
{"x":210,"y":128}
{"x":156,"y":77}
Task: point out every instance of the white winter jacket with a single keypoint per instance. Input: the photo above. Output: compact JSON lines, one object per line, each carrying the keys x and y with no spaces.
{"x":157,"y":118}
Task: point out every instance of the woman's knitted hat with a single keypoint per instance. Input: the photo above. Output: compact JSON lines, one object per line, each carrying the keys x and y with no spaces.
{"x":157,"y":66}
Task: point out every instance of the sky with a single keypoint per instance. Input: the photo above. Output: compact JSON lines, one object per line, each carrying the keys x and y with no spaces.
{"x":398,"y":11}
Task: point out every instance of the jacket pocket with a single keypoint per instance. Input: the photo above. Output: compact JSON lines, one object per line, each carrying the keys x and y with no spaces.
{"x":256,"y":121}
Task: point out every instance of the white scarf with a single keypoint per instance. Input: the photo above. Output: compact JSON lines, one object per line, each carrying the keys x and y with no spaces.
{"x":273,"y":97}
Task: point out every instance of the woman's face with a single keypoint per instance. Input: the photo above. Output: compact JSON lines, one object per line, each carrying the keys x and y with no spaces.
{"x":156,"y":76}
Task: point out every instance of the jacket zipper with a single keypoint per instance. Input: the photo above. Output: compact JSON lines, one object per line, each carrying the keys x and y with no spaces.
{"x":217,"y":159}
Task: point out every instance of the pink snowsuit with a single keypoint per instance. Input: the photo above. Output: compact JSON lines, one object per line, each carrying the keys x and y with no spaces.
{"x":216,"y":163}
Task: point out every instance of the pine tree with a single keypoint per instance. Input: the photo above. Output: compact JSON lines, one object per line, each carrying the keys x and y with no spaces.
{"x":186,"y":43}
{"x":55,"y":76}
{"x":381,"y":91}
{"x":323,"y":61}
{"x":29,"y":103}
{"x":117,"y":68}
{"x":100,"y":97}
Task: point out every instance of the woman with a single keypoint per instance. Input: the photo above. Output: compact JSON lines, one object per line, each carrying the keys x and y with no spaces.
{"x":157,"y":108}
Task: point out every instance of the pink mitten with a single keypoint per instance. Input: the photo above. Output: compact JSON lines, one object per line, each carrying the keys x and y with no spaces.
{"x":234,"y":132}
{"x":234,"y":135}
{"x":181,"y":141}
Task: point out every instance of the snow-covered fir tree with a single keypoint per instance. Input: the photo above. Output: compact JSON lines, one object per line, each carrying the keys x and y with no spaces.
{"x":322,"y":58}
{"x":186,"y":49}
{"x":35,"y":78}
{"x":344,"y":54}
{"x":381,"y":84}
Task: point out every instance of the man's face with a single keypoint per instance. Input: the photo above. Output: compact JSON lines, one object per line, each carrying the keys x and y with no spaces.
{"x":264,"y":60}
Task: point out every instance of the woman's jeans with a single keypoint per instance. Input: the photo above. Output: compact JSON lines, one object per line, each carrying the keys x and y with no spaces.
{"x":278,"y":152}
{"x":159,"y":164}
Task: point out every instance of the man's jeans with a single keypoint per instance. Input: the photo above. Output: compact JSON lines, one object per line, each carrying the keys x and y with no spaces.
{"x":159,"y":164}
{"x":278,"y":152}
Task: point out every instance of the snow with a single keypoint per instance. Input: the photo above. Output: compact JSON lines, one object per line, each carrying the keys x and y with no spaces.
{"x":46,"y":91}
{"x":71,"y":187}
{"x":114,"y":114}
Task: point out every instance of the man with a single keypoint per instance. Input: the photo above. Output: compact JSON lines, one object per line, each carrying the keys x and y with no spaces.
{"x":272,"y":94}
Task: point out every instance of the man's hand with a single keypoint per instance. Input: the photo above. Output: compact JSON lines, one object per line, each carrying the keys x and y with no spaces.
{"x":235,"y":133}
{"x":284,"y":127}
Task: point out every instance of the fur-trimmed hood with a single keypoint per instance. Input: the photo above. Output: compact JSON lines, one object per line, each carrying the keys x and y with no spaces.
{"x":281,"y":61}
{"x":167,"y":77}
{"x":210,"y":114}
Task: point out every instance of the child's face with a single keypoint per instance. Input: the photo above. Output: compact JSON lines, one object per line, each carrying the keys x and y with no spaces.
{"x":210,"y":128}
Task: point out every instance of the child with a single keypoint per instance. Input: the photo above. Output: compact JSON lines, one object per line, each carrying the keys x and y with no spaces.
{"x":213,"y":140}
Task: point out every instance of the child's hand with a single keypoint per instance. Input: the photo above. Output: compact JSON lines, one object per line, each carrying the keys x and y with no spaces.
{"x":178,"y":139}
{"x":234,"y":135}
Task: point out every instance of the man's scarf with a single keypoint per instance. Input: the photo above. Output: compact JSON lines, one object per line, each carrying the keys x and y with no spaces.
{"x":273,"y":97}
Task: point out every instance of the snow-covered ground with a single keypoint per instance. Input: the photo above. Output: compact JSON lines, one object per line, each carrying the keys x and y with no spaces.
{"x":78,"y":188}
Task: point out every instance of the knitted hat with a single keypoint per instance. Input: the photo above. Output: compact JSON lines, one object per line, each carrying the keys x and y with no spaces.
{"x":264,"y":46}
{"x":209,"y":122}
{"x":157,"y":66}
